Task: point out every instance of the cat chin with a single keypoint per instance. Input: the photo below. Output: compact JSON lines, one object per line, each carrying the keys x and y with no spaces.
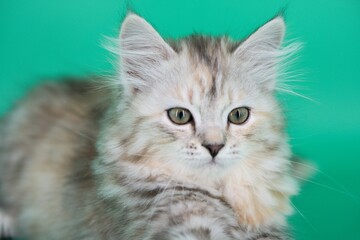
{"x":208,"y":174}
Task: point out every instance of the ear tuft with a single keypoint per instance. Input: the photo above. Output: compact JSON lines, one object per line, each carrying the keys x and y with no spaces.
{"x":259,"y":54}
{"x":269,"y":37}
{"x":142,"y":51}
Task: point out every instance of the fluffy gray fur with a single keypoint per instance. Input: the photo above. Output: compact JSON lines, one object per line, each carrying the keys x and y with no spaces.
{"x":77,"y":163}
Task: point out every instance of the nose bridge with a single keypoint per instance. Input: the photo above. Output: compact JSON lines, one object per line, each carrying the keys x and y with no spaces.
{"x":212,"y":134}
{"x":211,"y":130}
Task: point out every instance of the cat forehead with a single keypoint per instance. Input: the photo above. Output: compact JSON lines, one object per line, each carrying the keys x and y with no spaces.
{"x":206,"y":58}
{"x":205,"y":50}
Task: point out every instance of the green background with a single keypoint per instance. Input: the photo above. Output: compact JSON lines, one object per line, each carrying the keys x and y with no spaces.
{"x":43,"y":39}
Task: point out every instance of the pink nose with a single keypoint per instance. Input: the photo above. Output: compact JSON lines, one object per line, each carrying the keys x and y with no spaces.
{"x":213,"y":148}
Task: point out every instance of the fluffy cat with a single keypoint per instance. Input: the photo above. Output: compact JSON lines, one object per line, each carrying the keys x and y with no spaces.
{"x":192,"y":122}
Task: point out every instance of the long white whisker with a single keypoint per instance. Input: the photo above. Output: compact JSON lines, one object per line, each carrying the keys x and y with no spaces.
{"x":328,"y":176}
{"x":328,"y":187}
{"x":292,"y":204}
{"x":280,"y":89}
{"x":301,"y":214}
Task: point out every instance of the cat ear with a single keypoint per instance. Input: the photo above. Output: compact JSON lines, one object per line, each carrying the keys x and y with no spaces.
{"x":142,"y":52}
{"x":260,"y":53}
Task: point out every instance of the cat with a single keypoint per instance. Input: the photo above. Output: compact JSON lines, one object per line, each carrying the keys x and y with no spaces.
{"x":192,"y":122}
{"x":65,"y":202}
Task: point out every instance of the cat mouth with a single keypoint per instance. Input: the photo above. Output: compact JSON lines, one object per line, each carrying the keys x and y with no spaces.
{"x":215,"y":162}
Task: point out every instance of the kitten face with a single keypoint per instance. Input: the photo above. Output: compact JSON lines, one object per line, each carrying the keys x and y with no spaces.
{"x":193,"y":90}
{"x":209,"y":77}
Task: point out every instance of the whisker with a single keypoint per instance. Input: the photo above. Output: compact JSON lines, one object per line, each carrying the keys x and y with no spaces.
{"x":284,"y":90}
{"x":328,"y":176}
{"x":301,"y":214}
{"x":79,"y":133}
{"x":292,"y":204}
{"x":330,"y":188}
{"x":344,"y":192}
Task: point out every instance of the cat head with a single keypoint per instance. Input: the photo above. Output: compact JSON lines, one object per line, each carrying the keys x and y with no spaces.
{"x":199,"y":105}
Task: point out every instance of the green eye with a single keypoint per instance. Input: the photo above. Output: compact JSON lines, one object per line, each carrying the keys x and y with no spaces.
{"x":239,"y":115}
{"x":179,"y":115}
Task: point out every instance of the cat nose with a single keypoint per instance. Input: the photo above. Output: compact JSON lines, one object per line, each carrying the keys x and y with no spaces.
{"x":213,"y":148}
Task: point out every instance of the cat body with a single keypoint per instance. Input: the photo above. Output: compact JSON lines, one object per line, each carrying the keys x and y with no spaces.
{"x":84,"y":164}
{"x":57,"y":195}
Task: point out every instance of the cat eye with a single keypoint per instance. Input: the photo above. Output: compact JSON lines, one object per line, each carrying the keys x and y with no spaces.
{"x":179,"y":116}
{"x":239,"y":115}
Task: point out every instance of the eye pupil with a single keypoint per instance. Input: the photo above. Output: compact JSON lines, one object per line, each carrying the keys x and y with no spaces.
{"x":180,"y":114}
{"x":238,"y":114}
